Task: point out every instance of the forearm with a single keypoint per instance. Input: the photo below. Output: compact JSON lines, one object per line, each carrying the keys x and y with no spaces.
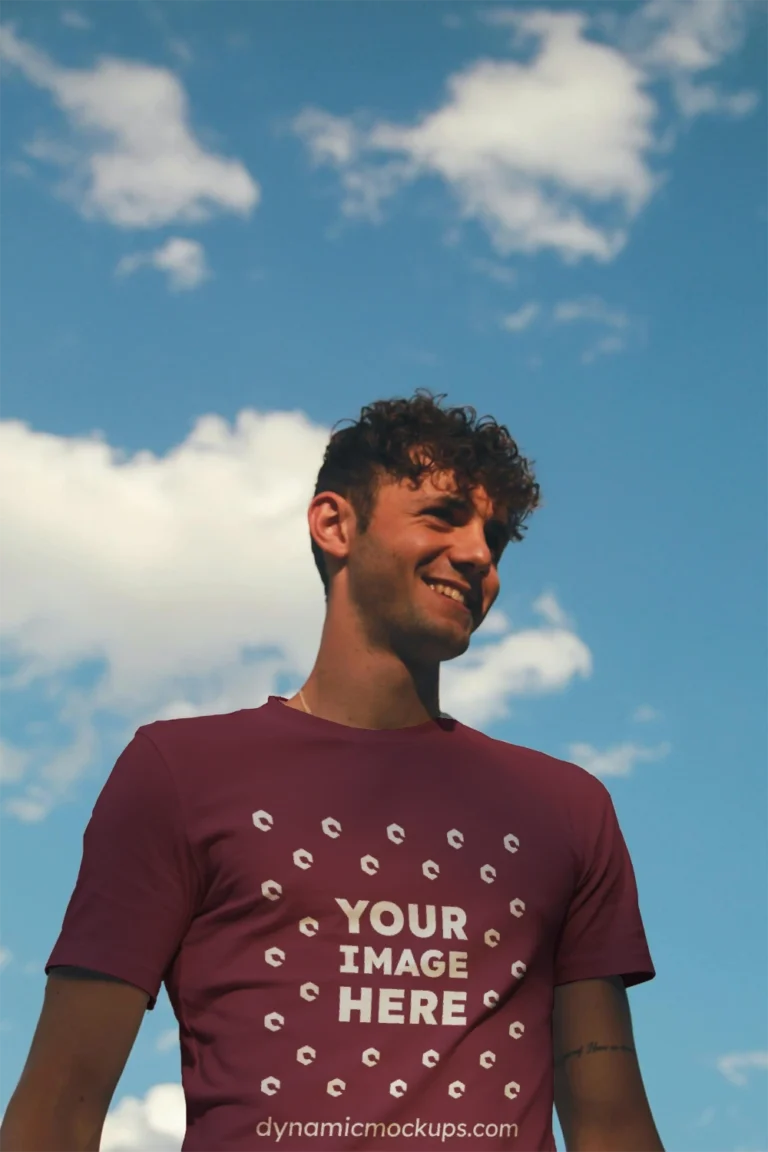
{"x":626,"y":1135}
{"x":33,"y":1127}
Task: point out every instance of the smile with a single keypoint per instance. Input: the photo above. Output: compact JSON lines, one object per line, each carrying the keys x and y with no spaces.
{"x":448,"y":593}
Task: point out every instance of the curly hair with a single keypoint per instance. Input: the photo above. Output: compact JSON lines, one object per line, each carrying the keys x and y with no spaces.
{"x":381,"y":443}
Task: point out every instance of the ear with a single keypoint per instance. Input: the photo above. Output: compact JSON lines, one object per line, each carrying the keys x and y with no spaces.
{"x":332,"y":525}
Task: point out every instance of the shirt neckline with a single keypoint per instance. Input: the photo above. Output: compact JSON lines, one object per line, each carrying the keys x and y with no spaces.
{"x":299,"y":721}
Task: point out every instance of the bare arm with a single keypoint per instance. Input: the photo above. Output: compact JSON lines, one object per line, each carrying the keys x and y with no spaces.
{"x":599,"y":1092}
{"x":85,"y":1033}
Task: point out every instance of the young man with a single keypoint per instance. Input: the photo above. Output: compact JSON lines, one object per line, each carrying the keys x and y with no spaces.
{"x":378,"y":928}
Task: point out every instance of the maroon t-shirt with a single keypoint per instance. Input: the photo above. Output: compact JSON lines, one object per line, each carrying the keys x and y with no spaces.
{"x":360,"y":931}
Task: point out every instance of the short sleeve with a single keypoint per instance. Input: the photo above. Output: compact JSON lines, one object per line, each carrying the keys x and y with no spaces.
{"x":603,"y":933}
{"x":138,"y":886}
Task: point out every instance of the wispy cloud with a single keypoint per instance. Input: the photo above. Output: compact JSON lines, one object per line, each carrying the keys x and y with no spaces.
{"x":5,"y":956}
{"x":683,"y":43}
{"x":644,"y":714}
{"x":591,"y":309}
{"x":618,"y":760}
{"x":735,"y":1066}
{"x":71,"y":18}
{"x":183,"y":261}
{"x":131,"y":158}
{"x":605,"y":346}
{"x":548,"y":606}
{"x":167,"y":1040}
{"x":521,"y":319}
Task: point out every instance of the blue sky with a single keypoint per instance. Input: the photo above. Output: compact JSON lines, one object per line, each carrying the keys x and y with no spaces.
{"x":228,"y":226}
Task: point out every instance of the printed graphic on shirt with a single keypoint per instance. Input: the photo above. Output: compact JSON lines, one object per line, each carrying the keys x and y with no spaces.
{"x":429,"y":948}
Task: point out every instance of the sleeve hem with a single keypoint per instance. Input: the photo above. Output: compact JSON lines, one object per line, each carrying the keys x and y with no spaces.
{"x":138,"y":978}
{"x":632,"y":971}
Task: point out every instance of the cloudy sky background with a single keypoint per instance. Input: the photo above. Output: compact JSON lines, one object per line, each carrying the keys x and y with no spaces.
{"x":227,"y":226}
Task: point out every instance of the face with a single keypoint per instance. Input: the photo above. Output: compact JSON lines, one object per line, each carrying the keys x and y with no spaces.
{"x":416,"y":539}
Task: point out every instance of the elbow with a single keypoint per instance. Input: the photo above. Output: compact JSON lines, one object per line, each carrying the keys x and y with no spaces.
{"x":28,"y":1126}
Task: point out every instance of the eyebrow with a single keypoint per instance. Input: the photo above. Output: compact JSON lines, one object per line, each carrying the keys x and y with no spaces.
{"x":459,"y":504}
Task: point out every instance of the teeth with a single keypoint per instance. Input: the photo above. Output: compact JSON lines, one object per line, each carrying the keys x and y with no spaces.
{"x":447,"y":591}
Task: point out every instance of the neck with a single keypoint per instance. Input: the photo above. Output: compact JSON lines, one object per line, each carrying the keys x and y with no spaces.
{"x":354,"y":684}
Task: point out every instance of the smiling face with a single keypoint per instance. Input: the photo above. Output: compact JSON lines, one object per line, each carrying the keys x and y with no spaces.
{"x":416,"y":540}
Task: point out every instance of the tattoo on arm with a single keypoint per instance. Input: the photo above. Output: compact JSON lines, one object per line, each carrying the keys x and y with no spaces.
{"x":588,"y":1049}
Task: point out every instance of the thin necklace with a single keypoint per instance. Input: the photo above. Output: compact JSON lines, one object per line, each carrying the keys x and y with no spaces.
{"x":311,"y":713}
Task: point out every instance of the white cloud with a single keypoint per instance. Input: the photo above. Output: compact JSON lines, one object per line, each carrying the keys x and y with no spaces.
{"x":156,"y":1123}
{"x":616,"y":761}
{"x":644,"y":714}
{"x":735,"y":1065}
{"x":188,"y":579}
{"x":181,"y":50}
{"x":679,"y":41}
{"x":5,"y":956}
{"x":495,"y":623}
{"x":13,"y":762}
{"x":133,"y":159}
{"x":521,"y":319}
{"x":605,"y":346}
{"x":592,"y":309}
{"x":74,"y":19}
{"x":548,"y":606}
{"x":529,"y":149}
{"x":550,"y":149}
{"x":182,"y":260}
{"x":532,"y":662}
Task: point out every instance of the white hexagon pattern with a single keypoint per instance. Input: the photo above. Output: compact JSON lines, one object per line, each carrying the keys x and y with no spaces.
{"x":309,"y":926}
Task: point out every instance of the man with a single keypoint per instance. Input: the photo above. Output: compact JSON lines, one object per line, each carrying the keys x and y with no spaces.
{"x":378,"y":928}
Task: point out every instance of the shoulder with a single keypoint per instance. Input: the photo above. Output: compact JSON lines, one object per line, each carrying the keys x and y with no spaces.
{"x":549,"y":773}
{"x":187,"y":735}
